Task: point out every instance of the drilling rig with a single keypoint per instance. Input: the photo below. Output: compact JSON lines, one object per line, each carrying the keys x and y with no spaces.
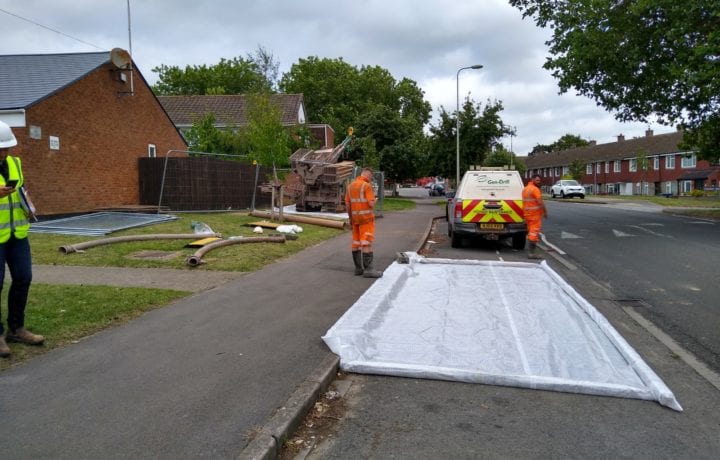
{"x":323,"y":178}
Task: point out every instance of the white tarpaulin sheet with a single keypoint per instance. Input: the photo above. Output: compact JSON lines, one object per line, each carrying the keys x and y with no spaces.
{"x":500,"y":323}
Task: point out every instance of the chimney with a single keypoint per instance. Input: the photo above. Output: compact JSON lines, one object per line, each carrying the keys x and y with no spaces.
{"x":648,"y":132}
{"x":621,"y":137}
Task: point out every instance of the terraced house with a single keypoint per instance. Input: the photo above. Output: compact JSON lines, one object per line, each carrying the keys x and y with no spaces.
{"x":648,"y":165}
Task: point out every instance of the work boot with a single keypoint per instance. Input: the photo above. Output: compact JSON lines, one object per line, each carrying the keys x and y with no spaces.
{"x":532,"y":251}
{"x":22,"y":335}
{"x":357,"y":258}
{"x":4,"y":349}
{"x":369,"y":271}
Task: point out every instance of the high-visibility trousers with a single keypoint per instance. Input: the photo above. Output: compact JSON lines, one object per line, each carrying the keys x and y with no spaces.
{"x":363,"y":235}
{"x":534,"y":226}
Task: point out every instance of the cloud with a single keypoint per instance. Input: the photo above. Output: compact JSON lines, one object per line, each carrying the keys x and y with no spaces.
{"x":426,"y":41}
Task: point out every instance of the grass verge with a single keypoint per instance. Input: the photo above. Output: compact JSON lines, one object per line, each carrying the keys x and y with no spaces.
{"x":65,"y":314}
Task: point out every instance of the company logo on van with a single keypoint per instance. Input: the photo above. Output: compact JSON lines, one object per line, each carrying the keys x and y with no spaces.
{"x":485,"y":179}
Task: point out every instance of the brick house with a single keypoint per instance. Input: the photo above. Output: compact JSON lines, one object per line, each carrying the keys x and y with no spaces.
{"x":231,"y":110}
{"x":648,"y":165}
{"x":82,"y":123}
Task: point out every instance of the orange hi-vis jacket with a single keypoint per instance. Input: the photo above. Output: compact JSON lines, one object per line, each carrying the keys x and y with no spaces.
{"x":358,"y":197}
{"x":532,"y":197}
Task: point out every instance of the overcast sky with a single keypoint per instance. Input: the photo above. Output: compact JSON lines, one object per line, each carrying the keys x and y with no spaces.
{"x":424,"y":40}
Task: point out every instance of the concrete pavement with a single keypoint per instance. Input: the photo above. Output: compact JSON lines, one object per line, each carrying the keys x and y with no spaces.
{"x":202,"y":376}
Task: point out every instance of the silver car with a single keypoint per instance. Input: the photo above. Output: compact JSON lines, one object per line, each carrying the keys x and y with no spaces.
{"x":567,"y":189}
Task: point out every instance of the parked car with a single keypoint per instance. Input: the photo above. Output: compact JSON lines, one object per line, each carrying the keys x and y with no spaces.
{"x":488,"y":204}
{"x":567,"y":189}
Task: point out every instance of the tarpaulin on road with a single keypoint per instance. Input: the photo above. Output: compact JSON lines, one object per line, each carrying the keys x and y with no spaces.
{"x":500,"y":323}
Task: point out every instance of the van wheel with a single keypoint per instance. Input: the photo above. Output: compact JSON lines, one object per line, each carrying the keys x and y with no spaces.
{"x":518,"y":242}
{"x":456,"y":241}
{"x":562,"y":195}
{"x":552,"y":194}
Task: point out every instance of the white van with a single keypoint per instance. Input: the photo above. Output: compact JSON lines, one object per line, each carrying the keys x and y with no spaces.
{"x":488,"y":204}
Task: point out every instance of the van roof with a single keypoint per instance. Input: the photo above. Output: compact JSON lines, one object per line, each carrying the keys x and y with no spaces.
{"x":484,"y":185}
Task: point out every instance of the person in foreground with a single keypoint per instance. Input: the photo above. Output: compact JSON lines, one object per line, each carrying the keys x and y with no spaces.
{"x":534,"y":209}
{"x":360,"y":201}
{"x":14,"y":245}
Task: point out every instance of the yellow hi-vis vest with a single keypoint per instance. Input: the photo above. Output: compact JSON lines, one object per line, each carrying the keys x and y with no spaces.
{"x":12,"y":216}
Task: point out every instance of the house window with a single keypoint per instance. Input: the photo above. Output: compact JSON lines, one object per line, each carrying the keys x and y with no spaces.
{"x":670,"y":162}
{"x":668,"y":187}
{"x":616,"y":166}
{"x":598,"y":167}
{"x":607,"y":167}
{"x":687,"y":186}
{"x":688,"y":161}
{"x":656,"y":163}
{"x":632,"y":165}
{"x":566,"y":170}
{"x":152,"y":150}
{"x":557,"y":172}
{"x":588,"y":169}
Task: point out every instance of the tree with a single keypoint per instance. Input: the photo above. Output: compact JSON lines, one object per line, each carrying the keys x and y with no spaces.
{"x":481,"y":129}
{"x":577,"y":169}
{"x":502,"y":157}
{"x":254,"y":74}
{"x":268,"y":141}
{"x":388,"y":116}
{"x":567,"y":141}
{"x":639,"y":58}
{"x":203,"y":136}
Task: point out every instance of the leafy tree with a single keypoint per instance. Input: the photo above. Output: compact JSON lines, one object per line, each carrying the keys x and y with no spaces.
{"x":502,"y":157}
{"x":577,"y":169}
{"x":639,"y":58}
{"x":388,"y":116}
{"x":567,"y":141}
{"x":203,"y":136}
{"x":254,"y":74}
{"x":268,"y":141}
{"x":481,"y":130}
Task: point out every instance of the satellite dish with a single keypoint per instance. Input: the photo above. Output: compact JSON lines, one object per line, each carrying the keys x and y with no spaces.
{"x":120,"y":58}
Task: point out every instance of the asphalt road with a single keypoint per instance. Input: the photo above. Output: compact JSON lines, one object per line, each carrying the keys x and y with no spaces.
{"x":664,"y":266}
{"x":386,"y":417}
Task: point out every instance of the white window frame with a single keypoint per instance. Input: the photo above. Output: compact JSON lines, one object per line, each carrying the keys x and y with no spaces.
{"x":588,"y":169}
{"x":688,"y":161}
{"x":152,"y":151}
{"x":656,"y":163}
{"x":617,"y":166}
{"x":557,"y":171}
{"x":607,"y":167}
{"x":566,"y":170}
{"x":670,"y":162}
{"x":668,"y":187}
{"x":632,"y":165}
{"x":687,"y":186}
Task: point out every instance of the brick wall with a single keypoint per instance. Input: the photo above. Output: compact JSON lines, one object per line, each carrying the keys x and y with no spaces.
{"x":101,"y":134}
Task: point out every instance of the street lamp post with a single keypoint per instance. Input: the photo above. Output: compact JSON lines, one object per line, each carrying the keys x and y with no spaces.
{"x":457,"y":123}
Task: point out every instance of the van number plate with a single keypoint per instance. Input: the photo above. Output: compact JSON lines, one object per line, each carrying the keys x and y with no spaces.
{"x":492,"y":226}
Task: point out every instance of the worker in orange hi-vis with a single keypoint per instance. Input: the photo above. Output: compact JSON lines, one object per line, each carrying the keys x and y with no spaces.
{"x":360,"y":201}
{"x":534,"y":209}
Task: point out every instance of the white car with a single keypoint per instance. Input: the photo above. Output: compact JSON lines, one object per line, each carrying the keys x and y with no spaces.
{"x":567,"y":189}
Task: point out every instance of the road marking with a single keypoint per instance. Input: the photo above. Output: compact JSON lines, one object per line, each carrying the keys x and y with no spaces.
{"x":620,"y":234}
{"x":653,"y":224}
{"x":568,"y":235}
{"x":650,"y":231}
{"x":703,"y":222}
{"x":552,"y":246}
{"x":711,"y":376}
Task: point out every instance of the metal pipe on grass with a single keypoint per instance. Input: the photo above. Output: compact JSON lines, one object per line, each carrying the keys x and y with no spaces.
{"x":196,"y":259}
{"x":70,"y":248}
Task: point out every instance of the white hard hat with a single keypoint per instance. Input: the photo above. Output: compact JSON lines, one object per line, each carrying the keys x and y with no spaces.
{"x":7,"y":138}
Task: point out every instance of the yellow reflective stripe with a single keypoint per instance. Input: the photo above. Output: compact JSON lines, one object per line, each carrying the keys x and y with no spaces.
{"x":369,"y":211}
